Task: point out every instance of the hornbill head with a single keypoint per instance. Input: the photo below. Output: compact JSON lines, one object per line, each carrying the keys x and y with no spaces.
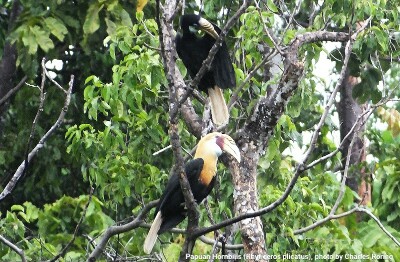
{"x":199,"y":23}
{"x":218,"y":143}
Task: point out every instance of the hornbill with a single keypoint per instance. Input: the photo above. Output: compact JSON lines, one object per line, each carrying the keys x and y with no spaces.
{"x":194,"y":50}
{"x":200,"y":173}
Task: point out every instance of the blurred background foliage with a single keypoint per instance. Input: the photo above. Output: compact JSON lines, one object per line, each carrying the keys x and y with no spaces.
{"x":118,"y":119}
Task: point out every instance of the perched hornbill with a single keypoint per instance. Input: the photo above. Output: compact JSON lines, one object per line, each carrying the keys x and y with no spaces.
{"x":200,"y":173}
{"x":194,"y":50}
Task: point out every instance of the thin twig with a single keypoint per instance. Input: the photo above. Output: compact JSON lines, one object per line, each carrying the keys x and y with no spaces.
{"x":368,"y":212}
{"x":78,"y":225}
{"x":37,"y":116}
{"x":51,"y":79}
{"x":250,"y":75}
{"x":162,"y":150}
{"x":13,"y":91}
{"x":267,"y":31}
{"x":324,"y":220}
{"x":364,"y":115}
{"x":345,"y":173}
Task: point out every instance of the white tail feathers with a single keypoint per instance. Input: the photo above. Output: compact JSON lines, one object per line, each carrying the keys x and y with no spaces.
{"x":219,"y":110}
{"x":153,"y":234}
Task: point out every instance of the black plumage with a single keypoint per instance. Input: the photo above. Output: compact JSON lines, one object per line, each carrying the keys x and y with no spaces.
{"x":172,"y":212}
{"x":200,"y":172}
{"x":193,"y":50}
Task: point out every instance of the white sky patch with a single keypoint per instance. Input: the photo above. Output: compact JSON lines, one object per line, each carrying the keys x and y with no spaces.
{"x":54,"y":64}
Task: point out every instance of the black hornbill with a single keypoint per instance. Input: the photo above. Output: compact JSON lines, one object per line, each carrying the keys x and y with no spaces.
{"x":200,"y":173}
{"x":194,"y":50}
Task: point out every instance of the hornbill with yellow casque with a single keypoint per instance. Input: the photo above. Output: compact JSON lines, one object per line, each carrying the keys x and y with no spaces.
{"x":200,"y":173}
{"x":194,"y":50}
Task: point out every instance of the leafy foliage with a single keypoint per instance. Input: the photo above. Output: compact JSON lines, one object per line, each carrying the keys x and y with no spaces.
{"x":120,"y":120}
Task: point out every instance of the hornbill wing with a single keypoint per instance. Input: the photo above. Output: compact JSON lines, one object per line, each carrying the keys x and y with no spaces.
{"x":193,"y":170}
{"x":192,"y":51}
{"x":172,"y":202}
{"x":224,"y":73}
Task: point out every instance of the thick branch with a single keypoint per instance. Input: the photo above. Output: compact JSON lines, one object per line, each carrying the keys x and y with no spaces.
{"x":9,"y":56}
{"x":268,"y":110}
{"x":169,"y":56}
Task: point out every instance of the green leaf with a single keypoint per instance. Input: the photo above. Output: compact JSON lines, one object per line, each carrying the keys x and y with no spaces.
{"x":120,"y":108}
{"x":29,"y":40}
{"x":371,"y":237}
{"x":387,"y":136}
{"x":92,"y":21}
{"x":17,"y":208}
{"x":139,"y":16}
{"x":125,"y":18}
{"x":42,"y":38}
{"x":376,"y":95}
{"x":111,"y":27}
{"x":57,"y":28}
{"x":358,"y":90}
{"x":272,"y":6}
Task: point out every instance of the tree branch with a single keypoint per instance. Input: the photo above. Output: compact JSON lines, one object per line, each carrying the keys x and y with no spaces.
{"x":42,"y":97}
{"x":114,"y":230}
{"x":19,"y":172}
{"x":269,"y":110}
{"x":12,"y":91}
{"x":16,"y":249}
{"x":167,"y":38}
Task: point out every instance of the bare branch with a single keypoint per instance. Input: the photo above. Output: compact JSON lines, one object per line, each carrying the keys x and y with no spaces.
{"x":167,"y":40}
{"x":114,"y":230}
{"x":16,"y":249}
{"x":235,"y":94}
{"x":345,"y":173}
{"x":330,"y":102}
{"x":324,"y":220}
{"x":369,"y":213}
{"x":36,"y":119}
{"x":12,"y":91}
{"x":351,"y":211}
{"x":51,"y":79}
{"x":19,"y":172}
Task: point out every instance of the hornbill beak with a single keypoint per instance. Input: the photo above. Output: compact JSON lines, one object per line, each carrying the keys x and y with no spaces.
{"x":229,"y":146}
{"x":207,"y":27}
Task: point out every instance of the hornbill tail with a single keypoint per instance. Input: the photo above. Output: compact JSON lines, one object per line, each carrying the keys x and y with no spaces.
{"x":153,"y":234}
{"x":219,"y":109}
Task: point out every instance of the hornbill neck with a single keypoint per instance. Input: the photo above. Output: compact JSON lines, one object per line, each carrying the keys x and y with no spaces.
{"x":206,"y":152}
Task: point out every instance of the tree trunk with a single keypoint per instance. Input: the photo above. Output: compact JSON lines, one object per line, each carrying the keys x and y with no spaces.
{"x":349,"y":110}
{"x":246,"y":200}
{"x":9,"y":59}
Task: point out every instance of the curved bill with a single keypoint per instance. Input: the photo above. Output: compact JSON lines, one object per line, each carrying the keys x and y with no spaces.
{"x":230,"y":147}
{"x":207,"y":27}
